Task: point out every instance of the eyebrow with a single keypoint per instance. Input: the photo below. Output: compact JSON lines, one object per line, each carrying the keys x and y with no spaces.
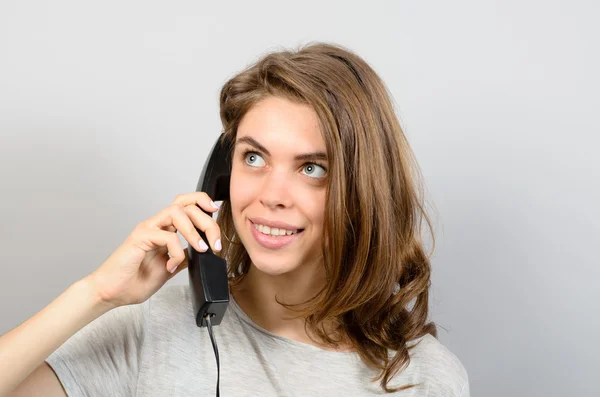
{"x":305,"y":156}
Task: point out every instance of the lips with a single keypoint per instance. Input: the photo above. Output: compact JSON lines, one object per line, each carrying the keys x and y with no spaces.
{"x":273,"y":224}
{"x":273,"y":242}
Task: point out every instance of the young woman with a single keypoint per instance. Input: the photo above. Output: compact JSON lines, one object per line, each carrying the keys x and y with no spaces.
{"x":328,"y":275}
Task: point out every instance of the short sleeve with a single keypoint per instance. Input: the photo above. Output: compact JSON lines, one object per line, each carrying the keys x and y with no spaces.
{"x":103,"y":358}
{"x":465,"y":390}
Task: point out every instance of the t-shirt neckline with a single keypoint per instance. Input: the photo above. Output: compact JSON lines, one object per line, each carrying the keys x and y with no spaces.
{"x":301,"y":345}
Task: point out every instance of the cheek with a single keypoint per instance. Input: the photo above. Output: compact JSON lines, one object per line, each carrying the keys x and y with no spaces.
{"x":313,"y":205}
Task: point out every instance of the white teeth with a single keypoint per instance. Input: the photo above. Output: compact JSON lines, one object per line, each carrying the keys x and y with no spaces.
{"x":273,"y":231}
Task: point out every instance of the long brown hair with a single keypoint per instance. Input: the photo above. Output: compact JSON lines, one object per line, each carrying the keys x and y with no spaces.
{"x":374,"y":207}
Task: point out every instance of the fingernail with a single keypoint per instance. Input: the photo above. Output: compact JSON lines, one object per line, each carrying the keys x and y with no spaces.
{"x":215,"y":204}
{"x":173,"y":270}
{"x":218,"y":245}
{"x":203,"y":246}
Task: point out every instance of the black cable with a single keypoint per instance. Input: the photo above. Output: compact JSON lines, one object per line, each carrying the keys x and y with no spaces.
{"x":214,"y":344}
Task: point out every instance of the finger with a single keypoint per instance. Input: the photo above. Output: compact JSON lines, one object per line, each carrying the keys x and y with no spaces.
{"x":200,"y":198}
{"x":183,"y":265}
{"x":184,"y":225}
{"x":164,"y":219}
{"x":207,"y":224}
{"x":154,"y":238}
{"x":180,"y":219}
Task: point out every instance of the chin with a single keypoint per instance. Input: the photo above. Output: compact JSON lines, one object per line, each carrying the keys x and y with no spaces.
{"x":273,"y":266}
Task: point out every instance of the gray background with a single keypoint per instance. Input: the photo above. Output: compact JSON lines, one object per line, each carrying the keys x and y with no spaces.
{"x":107,"y":111}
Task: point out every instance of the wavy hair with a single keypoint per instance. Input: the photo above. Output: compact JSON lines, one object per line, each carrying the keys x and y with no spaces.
{"x":374,"y":206}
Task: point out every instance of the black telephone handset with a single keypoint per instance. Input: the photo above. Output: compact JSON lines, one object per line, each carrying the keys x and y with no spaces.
{"x":208,"y":272}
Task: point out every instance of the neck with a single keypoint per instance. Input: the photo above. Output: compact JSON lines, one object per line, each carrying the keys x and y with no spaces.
{"x":258,"y":293}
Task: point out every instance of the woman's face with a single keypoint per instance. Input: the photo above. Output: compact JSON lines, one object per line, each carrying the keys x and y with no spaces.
{"x":278,"y":186}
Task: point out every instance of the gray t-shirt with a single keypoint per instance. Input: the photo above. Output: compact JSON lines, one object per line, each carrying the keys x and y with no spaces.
{"x":156,"y":349}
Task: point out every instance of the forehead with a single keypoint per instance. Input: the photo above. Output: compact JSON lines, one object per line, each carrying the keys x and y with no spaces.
{"x":282,"y":125}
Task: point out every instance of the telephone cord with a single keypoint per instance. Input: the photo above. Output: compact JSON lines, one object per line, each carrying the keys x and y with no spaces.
{"x":214,"y":344}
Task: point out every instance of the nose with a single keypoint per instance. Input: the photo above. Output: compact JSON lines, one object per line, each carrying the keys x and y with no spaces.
{"x":275,"y":191}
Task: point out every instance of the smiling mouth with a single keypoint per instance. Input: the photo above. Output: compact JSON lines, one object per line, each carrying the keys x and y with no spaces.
{"x":275,"y":232}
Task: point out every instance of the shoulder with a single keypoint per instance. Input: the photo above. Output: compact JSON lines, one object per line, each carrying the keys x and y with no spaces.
{"x":440,"y":369}
{"x":172,"y":301}
{"x":172,"y":293}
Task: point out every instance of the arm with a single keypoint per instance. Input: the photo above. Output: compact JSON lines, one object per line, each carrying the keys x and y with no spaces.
{"x":42,"y":381}
{"x":149,"y":257}
{"x":24,"y":349}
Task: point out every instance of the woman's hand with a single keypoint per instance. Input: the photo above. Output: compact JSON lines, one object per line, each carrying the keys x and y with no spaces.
{"x":141,"y":265}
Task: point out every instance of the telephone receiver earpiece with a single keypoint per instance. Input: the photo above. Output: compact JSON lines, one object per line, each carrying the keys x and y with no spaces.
{"x":208,"y":272}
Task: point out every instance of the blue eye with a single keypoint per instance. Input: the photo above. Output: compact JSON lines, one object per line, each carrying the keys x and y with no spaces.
{"x":314,"y":170}
{"x":252,"y":158}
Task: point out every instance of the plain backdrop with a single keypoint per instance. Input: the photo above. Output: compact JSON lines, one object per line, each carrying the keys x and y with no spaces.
{"x":108,"y":110}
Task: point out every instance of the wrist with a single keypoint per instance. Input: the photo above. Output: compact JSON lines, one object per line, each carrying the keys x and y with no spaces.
{"x":90,"y":289}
